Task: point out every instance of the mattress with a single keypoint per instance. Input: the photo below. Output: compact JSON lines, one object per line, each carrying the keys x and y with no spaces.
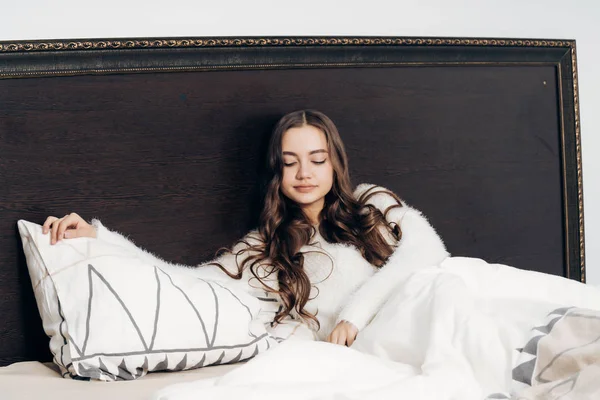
{"x":35,"y":380}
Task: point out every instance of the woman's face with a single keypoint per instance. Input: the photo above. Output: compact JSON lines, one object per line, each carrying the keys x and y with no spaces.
{"x":307,"y":169}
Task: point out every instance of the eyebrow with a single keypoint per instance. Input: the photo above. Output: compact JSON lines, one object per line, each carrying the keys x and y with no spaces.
{"x":290,"y":153}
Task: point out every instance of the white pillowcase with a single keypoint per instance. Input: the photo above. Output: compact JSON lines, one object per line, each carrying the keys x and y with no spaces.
{"x":112,"y":316}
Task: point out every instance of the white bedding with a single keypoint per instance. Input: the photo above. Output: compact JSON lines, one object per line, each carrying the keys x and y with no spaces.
{"x":448,"y":332}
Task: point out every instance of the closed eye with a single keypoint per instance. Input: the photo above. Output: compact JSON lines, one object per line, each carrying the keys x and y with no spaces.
{"x":319,"y":162}
{"x":289,"y":164}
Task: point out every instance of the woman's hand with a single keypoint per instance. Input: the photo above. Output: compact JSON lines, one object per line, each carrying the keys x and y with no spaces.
{"x":68,"y":227}
{"x":344,"y":333}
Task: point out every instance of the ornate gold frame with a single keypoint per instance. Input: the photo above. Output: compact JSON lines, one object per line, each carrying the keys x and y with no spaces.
{"x":271,"y":41}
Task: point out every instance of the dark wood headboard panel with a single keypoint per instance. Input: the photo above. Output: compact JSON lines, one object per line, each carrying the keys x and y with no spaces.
{"x":163,"y":138}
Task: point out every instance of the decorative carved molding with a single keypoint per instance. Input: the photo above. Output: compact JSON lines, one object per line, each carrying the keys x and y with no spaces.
{"x":24,"y":46}
{"x":579,"y":162}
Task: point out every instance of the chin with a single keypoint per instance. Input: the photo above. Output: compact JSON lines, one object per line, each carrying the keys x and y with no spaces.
{"x":305,"y":201}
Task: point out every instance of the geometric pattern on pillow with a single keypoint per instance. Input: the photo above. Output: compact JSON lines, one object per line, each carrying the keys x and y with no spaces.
{"x":111,"y":316}
{"x":181,"y":359}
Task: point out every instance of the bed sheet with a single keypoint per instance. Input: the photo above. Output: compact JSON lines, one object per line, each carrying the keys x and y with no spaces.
{"x":34,"y":380}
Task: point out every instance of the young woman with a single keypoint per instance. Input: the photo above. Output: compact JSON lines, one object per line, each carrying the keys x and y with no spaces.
{"x":319,"y":249}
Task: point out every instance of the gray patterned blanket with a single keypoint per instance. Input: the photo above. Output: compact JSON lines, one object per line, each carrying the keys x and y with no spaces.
{"x":561,"y":360}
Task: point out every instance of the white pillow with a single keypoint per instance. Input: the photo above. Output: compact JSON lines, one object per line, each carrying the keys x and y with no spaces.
{"x":112,"y":316}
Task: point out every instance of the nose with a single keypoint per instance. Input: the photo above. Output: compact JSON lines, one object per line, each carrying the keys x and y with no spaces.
{"x":303,"y":171}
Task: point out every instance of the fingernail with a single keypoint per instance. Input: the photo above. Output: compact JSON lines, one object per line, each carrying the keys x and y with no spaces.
{"x":66,"y":235}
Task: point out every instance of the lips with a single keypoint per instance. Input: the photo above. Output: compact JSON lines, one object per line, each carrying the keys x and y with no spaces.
{"x":304,"y":188}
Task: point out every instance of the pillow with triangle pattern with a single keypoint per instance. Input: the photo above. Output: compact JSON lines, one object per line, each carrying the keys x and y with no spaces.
{"x":111,"y":316}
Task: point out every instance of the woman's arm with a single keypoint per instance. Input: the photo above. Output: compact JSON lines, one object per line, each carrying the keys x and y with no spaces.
{"x":419,"y":246}
{"x":206,"y":270}
{"x":116,"y":238}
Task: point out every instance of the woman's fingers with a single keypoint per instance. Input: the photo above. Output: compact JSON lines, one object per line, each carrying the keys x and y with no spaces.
{"x":342,"y":338}
{"x":352,"y":332}
{"x":69,"y":221}
{"x":54,"y":231}
{"x":350,"y":339}
{"x":344,"y":334}
{"x":47,"y":223}
{"x":55,"y":235}
{"x":69,"y":226}
{"x":334,"y":336}
{"x":338,"y":336}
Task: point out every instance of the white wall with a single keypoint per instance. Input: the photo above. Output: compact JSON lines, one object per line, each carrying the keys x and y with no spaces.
{"x":549,"y":19}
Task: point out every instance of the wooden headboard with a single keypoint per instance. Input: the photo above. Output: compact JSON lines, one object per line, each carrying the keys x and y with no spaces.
{"x":163,"y":139}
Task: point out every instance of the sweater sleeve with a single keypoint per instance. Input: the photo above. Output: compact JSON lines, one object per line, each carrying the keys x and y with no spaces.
{"x":419,"y":246}
{"x":228,"y":260}
{"x":269,"y":302}
{"x":118,"y":239}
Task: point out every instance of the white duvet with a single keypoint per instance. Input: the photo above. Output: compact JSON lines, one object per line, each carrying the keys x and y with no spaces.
{"x":448,"y":332}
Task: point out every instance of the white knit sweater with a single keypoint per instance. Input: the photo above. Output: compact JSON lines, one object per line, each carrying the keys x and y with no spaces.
{"x":345,"y":286}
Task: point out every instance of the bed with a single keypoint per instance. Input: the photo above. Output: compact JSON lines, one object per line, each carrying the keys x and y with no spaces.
{"x":162,"y":138}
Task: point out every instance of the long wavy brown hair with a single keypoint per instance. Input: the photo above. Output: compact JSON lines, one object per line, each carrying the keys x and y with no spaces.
{"x":283,"y":228}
